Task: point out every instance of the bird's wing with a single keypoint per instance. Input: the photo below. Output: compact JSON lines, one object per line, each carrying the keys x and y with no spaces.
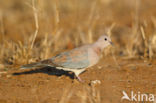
{"x":74,"y":59}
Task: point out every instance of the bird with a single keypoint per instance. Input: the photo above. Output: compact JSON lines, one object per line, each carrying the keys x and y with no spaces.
{"x":76,"y":60}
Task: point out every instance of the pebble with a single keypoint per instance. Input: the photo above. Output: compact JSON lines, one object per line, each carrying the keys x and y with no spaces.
{"x":8,"y":76}
{"x":96,"y":82}
{"x":1,"y":66}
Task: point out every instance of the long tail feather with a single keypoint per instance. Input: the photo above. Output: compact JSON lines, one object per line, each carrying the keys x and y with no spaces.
{"x":40,"y":64}
{"x":32,"y":65}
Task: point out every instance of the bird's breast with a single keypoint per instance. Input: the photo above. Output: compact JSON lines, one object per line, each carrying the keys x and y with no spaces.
{"x":94,"y":56}
{"x":97,"y":51}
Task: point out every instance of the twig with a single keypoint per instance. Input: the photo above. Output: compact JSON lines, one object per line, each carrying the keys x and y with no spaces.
{"x":91,"y":22}
{"x":110,"y":29}
{"x":2,"y":25}
{"x":145,"y":42}
{"x":114,"y":58}
{"x":66,"y":95}
{"x":36,"y":23}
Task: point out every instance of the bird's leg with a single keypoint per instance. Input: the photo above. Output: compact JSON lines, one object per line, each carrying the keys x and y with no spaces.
{"x":79,"y":79}
{"x":77,"y":75}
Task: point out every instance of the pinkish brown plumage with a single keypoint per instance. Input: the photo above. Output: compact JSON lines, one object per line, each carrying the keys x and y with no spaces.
{"x":76,"y":60}
{"x":98,"y":51}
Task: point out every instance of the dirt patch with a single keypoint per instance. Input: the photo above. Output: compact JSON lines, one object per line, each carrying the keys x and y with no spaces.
{"x":103,"y":83}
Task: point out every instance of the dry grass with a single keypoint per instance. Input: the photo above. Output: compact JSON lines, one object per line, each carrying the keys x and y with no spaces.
{"x":88,"y":94}
{"x":64,"y":25}
{"x":33,"y":30}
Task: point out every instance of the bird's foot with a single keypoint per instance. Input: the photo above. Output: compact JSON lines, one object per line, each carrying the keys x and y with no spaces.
{"x":80,"y":79}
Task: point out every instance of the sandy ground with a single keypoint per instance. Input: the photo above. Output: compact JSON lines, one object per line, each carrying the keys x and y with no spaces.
{"x":104,"y":83}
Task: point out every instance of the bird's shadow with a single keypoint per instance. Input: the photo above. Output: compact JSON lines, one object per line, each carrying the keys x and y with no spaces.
{"x":47,"y":70}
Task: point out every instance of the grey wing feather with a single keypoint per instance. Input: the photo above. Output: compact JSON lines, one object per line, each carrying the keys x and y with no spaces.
{"x":75,"y":59}
{"x":33,"y":65}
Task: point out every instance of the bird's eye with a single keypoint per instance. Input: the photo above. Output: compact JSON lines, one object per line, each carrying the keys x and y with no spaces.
{"x":105,"y":39}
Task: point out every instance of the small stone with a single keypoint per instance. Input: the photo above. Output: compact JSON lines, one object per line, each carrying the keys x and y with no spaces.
{"x":99,"y":67}
{"x":1,"y":66}
{"x":8,"y":76}
{"x":3,"y":72}
{"x":94,"y":82}
{"x":133,"y":67}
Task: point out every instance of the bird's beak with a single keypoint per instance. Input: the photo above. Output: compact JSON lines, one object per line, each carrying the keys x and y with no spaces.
{"x":111,"y":43}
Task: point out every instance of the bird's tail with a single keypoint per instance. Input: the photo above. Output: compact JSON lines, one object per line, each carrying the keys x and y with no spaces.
{"x":32,"y":65}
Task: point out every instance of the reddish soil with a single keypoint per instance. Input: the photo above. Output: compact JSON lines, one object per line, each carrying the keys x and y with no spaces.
{"x":44,"y":86}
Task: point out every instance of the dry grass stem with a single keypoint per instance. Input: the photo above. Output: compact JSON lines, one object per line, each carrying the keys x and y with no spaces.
{"x":66,"y":95}
{"x":35,"y":11}
{"x":2,"y":25}
{"x":145,"y":42}
{"x":115,"y":60}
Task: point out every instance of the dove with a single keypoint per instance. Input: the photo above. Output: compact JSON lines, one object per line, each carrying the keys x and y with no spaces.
{"x":76,"y":60}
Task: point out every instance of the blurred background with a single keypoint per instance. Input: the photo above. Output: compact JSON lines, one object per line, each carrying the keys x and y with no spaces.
{"x":32,"y":30}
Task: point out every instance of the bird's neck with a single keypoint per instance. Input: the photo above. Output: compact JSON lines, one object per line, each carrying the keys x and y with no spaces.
{"x":98,"y":45}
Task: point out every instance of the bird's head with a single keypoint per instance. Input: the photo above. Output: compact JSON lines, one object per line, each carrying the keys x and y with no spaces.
{"x":103,"y":41}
